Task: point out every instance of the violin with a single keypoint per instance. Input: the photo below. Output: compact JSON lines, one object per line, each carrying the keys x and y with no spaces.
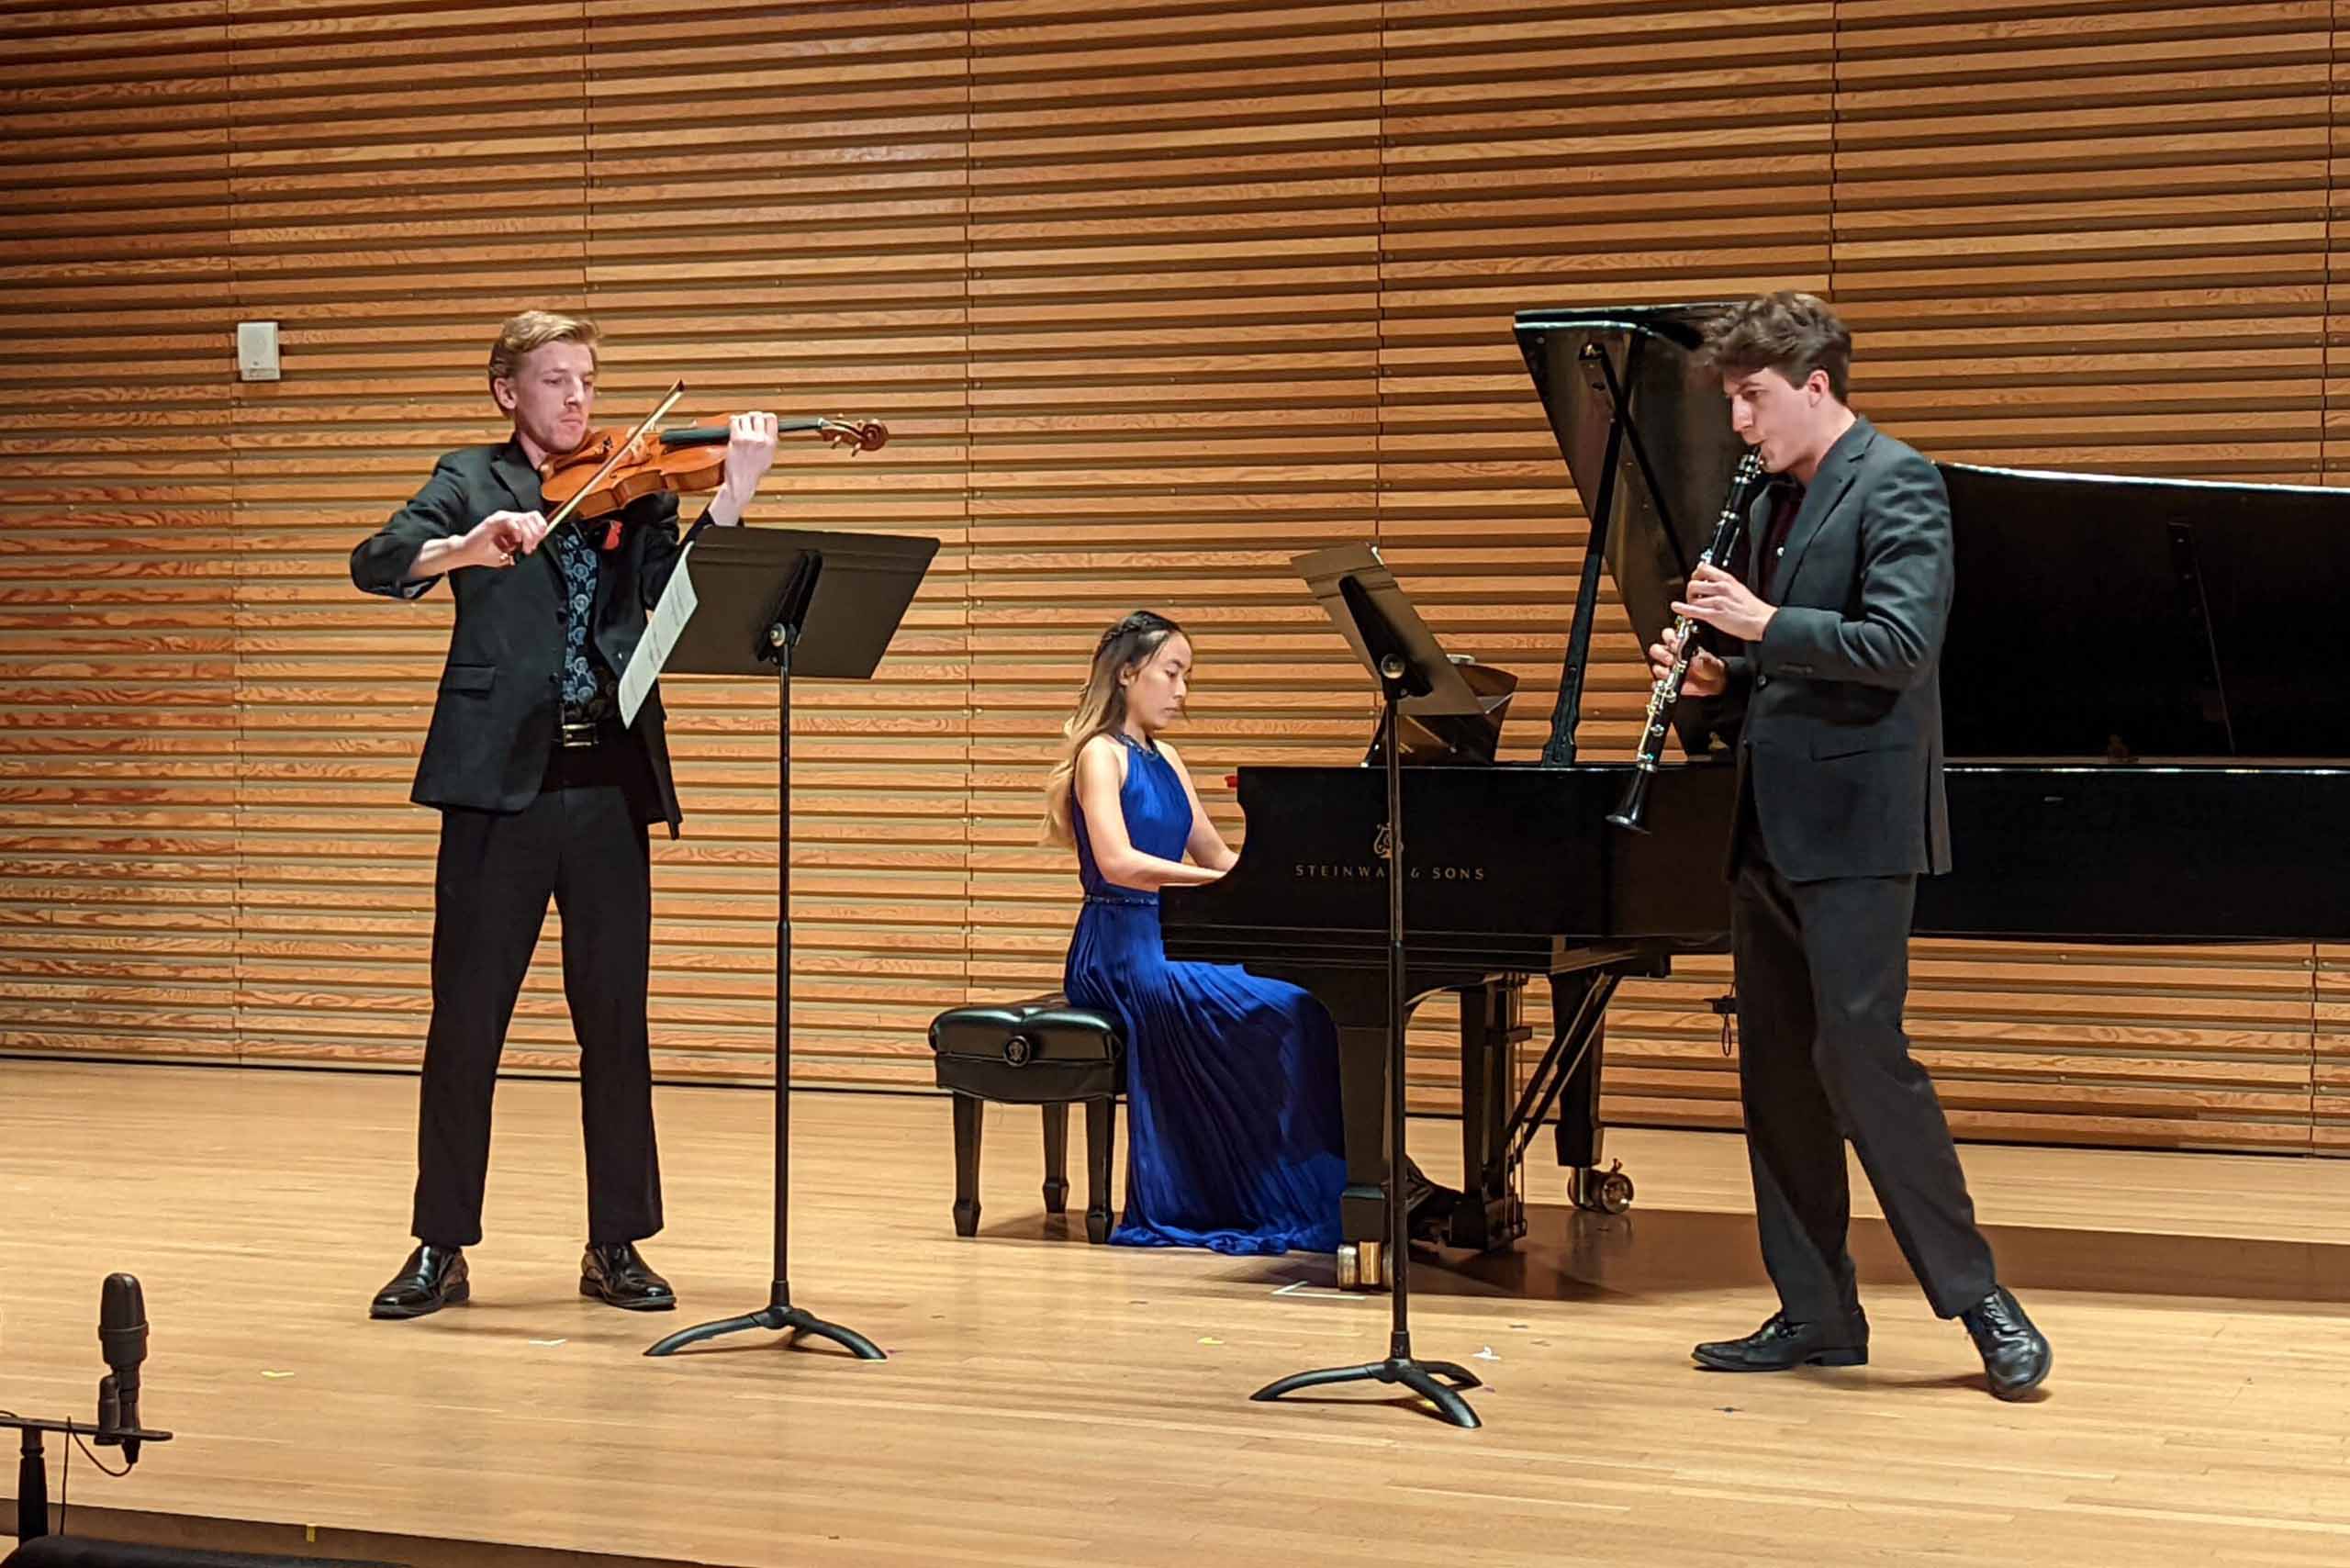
{"x":614,"y":467}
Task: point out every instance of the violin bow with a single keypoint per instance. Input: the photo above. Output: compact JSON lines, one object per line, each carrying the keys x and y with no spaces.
{"x":619,"y":453}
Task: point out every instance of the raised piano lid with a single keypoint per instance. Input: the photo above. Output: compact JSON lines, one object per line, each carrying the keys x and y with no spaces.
{"x":1665,"y":470}
{"x":2097,"y":616}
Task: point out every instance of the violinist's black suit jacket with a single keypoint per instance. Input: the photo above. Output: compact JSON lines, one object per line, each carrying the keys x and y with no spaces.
{"x":501,"y":694}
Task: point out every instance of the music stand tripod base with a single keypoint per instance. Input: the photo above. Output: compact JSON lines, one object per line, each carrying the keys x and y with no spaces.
{"x":1420,"y":1377}
{"x":777,"y":1316}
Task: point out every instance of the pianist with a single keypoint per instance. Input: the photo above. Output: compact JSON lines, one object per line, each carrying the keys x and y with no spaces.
{"x":1234,"y":1142}
{"x":1840,"y":810}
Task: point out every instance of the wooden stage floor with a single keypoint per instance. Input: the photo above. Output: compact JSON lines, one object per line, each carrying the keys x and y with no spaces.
{"x":1049,"y":1402}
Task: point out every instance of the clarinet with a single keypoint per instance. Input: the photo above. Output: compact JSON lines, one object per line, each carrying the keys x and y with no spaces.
{"x":1666,"y":693}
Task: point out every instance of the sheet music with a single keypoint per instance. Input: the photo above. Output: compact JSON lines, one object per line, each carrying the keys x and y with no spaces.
{"x":661,"y":633}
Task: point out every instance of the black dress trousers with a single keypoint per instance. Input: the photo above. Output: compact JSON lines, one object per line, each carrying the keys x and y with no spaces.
{"x":581,"y":842}
{"x":1823,"y":972}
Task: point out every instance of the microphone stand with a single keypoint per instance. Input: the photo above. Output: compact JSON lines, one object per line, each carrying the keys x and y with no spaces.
{"x":32,"y":1464}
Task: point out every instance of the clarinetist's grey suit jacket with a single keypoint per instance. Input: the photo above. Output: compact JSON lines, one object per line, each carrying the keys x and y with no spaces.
{"x":1841,"y":701}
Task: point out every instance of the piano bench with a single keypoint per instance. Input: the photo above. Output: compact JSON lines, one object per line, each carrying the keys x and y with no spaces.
{"x":1041,"y":1052}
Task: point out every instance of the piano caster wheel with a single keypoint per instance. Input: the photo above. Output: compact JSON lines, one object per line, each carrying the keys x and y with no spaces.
{"x":1364,"y":1266}
{"x":1607,"y":1191}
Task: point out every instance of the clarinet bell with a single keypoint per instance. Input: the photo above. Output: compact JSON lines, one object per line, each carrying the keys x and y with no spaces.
{"x":1629,"y":814}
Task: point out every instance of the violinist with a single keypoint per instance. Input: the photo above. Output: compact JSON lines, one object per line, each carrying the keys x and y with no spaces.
{"x":543,"y":792}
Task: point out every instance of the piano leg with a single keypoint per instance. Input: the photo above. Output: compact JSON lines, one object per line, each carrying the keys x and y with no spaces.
{"x":1489,"y":1214}
{"x":1362,"y":1096}
{"x":1580,"y":1131}
{"x":1362,"y":1107}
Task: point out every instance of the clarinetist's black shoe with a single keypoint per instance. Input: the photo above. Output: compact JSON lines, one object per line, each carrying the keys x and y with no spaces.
{"x":432,"y":1278}
{"x":2016,"y":1357}
{"x":1780,"y":1346}
{"x":620,"y":1275}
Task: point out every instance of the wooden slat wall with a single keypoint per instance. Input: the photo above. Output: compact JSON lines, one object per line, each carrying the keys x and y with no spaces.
{"x":1154,"y":294}
{"x":119,"y":733}
{"x":779,"y":214}
{"x":385,"y":206}
{"x":2329,"y":1096}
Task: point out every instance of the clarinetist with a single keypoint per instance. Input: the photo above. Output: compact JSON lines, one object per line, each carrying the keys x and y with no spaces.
{"x":1840,"y":810}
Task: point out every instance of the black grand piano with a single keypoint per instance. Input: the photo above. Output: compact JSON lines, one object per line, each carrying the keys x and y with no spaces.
{"x":2146,"y":745}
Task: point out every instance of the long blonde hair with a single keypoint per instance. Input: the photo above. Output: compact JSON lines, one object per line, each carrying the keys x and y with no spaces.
{"x":1100,"y":710}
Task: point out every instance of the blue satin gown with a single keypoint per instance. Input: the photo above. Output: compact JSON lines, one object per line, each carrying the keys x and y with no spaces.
{"x":1236,"y":1142}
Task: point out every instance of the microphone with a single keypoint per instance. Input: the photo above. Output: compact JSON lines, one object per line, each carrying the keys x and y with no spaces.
{"x":122,"y":1337}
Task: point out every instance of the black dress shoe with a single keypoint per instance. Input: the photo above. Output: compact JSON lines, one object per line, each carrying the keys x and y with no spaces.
{"x":1779,"y":1345}
{"x":432,"y":1278}
{"x":618,"y":1275}
{"x":2016,"y":1357}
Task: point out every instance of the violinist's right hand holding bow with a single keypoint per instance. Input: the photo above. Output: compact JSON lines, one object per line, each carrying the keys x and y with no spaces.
{"x":497,"y":539}
{"x":502,"y":538}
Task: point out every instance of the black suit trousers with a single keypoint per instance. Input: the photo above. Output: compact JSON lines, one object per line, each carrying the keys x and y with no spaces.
{"x":1823,"y":970}
{"x":582,"y":842}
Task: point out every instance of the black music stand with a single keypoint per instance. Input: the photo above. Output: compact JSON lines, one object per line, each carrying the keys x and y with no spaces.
{"x":1355,"y":587}
{"x":786,"y":603}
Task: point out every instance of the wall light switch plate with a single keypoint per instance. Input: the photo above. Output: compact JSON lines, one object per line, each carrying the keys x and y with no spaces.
{"x":257,"y":350}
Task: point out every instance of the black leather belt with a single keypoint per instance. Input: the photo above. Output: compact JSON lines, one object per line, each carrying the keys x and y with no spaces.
{"x":583,"y":732}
